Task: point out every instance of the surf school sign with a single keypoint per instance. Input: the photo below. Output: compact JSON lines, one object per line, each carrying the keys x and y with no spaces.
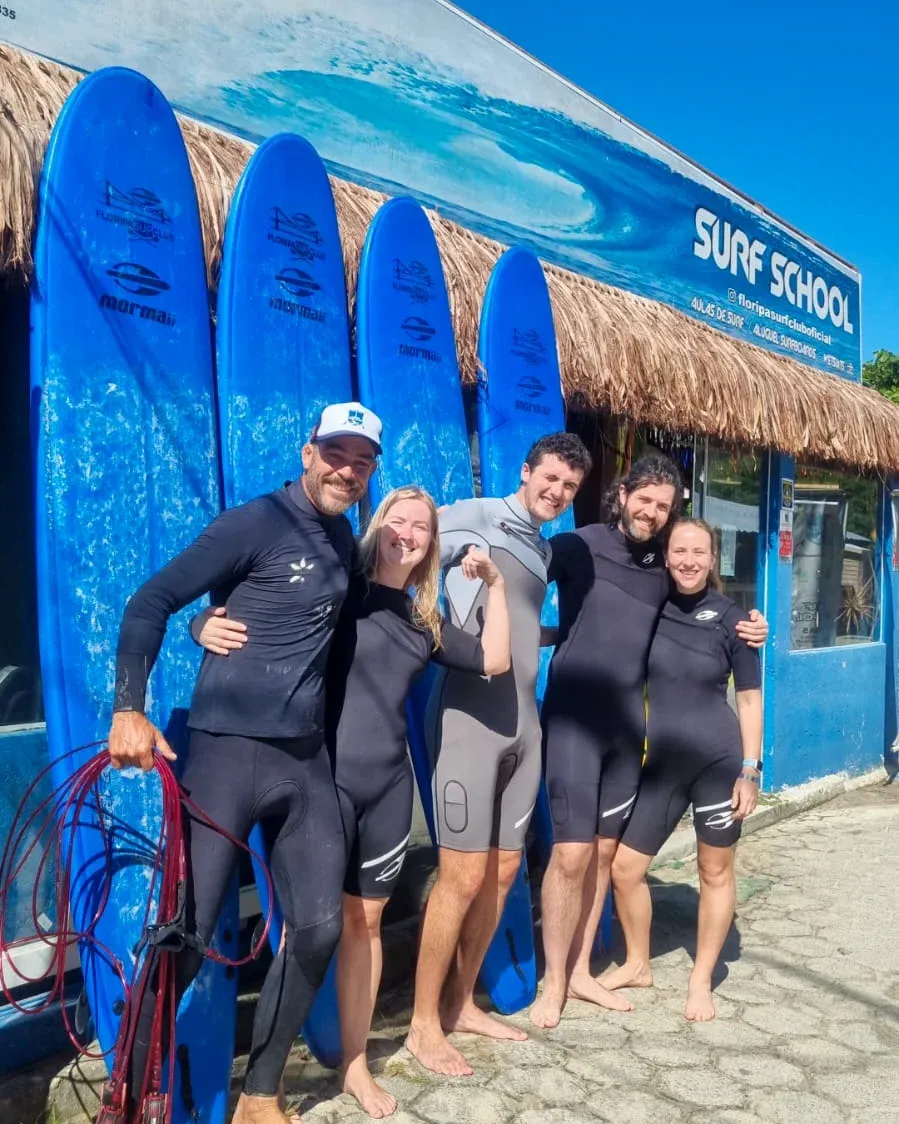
{"x":416,"y":96}
{"x":785,"y":295}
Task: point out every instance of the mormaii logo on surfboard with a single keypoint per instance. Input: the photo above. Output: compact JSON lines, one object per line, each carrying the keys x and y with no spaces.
{"x":528,"y":345}
{"x":413,"y":279}
{"x":531,"y":388}
{"x":139,"y":210}
{"x":299,"y":233}
{"x":138,"y":281}
{"x":298,"y":283}
{"x":419,"y":331}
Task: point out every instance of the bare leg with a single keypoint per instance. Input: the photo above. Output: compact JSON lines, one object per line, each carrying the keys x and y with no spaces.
{"x":717,"y":896}
{"x":634,"y":907}
{"x":459,"y":1011}
{"x":561,"y":899}
{"x":460,"y":877}
{"x":358,"y":979}
{"x":581,"y":984}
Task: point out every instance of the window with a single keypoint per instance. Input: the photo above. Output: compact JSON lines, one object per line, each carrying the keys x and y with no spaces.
{"x":23,"y":743}
{"x":729,"y":482}
{"x":834,"y":558}
{"x":20,"y":690}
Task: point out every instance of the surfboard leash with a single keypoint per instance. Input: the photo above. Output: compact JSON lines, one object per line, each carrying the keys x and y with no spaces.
{"x":78,"y":803}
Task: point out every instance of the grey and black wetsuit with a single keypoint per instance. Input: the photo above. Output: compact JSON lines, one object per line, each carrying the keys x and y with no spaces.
{"x":484,"y":735}
{"x":611,"y":591}
{"x":257,"y":750}
{"x":695,"y":750}
{"x":378,"y":652}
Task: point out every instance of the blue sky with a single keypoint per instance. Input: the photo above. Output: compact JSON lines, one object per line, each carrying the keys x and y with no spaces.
{"x":795,"y":102}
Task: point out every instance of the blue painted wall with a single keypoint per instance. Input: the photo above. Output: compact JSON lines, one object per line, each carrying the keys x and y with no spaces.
{"x":890,"y":619}
{"x":827,"y":709}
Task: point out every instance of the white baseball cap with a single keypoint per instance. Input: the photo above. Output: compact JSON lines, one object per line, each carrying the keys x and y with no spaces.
{"x":349,"y":419}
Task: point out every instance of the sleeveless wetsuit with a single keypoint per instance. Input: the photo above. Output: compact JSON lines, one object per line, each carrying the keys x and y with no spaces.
{"x":695,"y":751}
{"x":611,"y":590}
{"x":484,"y":735}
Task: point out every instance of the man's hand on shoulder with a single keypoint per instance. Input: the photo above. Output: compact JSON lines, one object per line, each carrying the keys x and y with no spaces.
{"x":754,"y":631}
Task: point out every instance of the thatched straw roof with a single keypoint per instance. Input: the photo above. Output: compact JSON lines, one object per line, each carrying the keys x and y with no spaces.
{"x":620,"y":353}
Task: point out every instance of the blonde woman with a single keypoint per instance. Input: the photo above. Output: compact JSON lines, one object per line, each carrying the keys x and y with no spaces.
{"x":699,"y":753}
{"x":390,"y":628}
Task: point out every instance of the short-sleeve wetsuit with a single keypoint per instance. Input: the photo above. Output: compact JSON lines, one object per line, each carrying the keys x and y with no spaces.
{"x":694,"y":745}
{"x":611,"y":590}
{"x":484,"y":734}
{"x":378,"y":651}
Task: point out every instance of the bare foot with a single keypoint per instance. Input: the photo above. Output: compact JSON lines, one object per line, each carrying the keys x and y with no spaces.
{"x":430,"y":1046}
{"x":470,"y":1019}
{"x":258,"y":1110}
{"x":293,"y":1117}
{"x":592,"y":991}
{"x":700,"y":1006}
{"x":629,"y":974}
{"x":547,"y":1010}
{"x":359,"y":1083}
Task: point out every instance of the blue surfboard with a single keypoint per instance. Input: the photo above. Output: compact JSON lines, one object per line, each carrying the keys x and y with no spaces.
{"x":126,"y":475}
{"x":283,"y":350}
{"x":520,"y":400}
{"x":408,"y":374}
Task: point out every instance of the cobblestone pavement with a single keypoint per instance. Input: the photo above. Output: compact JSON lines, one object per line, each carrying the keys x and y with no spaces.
{"x":808,"y":1026}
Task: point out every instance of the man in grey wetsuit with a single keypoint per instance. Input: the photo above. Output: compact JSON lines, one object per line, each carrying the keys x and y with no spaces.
{"x":485,"y":742}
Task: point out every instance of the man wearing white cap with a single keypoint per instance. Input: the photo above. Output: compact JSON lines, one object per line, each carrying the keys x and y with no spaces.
{"x":281,"y":564}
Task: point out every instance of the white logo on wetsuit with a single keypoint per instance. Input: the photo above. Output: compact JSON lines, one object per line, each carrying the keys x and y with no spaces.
{"x":706,"y":615}
{"x":720,"y":821}
{"x":301,"y":569}
{"x":648,"y":559}
{"x":392,"y":869}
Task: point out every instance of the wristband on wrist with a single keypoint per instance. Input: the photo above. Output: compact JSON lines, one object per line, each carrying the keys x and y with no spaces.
{"x":752,"y":763}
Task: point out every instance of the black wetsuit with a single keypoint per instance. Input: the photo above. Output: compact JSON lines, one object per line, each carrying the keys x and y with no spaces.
{"x":378,"y":651}
{"x":257,"y":750}
{"x":695,"y":751}
{"x":611,"y":590}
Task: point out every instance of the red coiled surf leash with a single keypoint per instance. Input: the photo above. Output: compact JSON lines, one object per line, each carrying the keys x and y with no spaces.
{"x":77,"y":803}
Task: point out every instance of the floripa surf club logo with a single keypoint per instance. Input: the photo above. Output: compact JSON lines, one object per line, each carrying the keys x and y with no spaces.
{"x":528,"y":345}
{"x":139,"y":210}
{"x":136,"y":280}
{"x":413,"y":279}
{"x":297,"y":232}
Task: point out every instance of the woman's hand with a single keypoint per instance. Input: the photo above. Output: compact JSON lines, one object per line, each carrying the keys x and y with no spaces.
{"x":745,"y":795}
{"x":221,"y":634}
{"x":754,"y":631}
{"x":476,"y":564}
